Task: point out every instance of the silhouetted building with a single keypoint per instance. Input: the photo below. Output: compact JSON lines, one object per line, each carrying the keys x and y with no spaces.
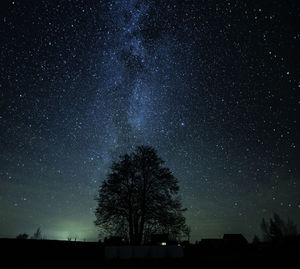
{"x":237,"y":240}
{"x":212,"y":243}
{"x":115,"y":240}
{"x":229,"y":244}
{"x":185,"y":243}
{"x":159,"y":239}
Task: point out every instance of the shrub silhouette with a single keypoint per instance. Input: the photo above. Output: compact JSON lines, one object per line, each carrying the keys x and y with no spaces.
{"x":22,"y":236}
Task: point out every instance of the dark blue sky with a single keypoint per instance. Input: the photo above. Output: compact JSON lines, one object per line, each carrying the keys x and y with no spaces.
{"x":214,"y":87}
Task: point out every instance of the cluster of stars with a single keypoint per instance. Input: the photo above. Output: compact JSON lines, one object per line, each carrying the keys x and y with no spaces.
{"x":212,"y":86}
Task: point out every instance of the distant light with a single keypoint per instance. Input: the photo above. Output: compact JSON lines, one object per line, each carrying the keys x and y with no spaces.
{"x":163,"y":243}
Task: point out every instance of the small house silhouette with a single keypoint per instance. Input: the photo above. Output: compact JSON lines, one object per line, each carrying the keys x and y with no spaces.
{"x":237,"y":240}
{"x":159,"y":239}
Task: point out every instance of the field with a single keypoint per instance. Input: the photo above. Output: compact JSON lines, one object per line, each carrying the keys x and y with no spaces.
{"x":195,"y":256}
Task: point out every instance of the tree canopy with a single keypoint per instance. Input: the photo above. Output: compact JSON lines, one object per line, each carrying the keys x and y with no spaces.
{"x":140,"y":197}
{"x":277,"y":229}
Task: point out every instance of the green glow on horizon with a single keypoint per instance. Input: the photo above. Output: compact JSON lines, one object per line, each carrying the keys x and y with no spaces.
{"x":64,"y":229}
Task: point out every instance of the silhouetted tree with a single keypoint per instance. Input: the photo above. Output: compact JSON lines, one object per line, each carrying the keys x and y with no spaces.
{"x":265,"y":230}
{"x":139,"y":198}
{"x":277,"y":229}
{"x":37,"y":234}
{"x":187,"y":232}
{"x":256,"y":240}
{"x":22,"y":236}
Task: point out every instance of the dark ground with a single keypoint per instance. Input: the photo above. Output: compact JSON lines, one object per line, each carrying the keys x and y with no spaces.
{"x":47,"y":252}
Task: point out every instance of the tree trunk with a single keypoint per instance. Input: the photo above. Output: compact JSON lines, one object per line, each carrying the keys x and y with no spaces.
{"x":143,"y":214}
{"x":141,"y":230}
{"x":130,"y":222}
{"x":136,"y":229}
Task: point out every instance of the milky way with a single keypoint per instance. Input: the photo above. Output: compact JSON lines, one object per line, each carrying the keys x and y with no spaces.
{"x":214,"y":87}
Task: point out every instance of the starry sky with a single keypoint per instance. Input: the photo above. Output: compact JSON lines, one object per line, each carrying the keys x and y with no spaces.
{"x":212,"y":85}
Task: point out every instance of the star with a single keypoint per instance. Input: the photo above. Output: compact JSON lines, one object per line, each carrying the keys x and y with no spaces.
{"x":84,"y":82}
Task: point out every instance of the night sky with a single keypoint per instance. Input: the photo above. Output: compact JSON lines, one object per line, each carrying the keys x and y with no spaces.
{"x":212,"y":85}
